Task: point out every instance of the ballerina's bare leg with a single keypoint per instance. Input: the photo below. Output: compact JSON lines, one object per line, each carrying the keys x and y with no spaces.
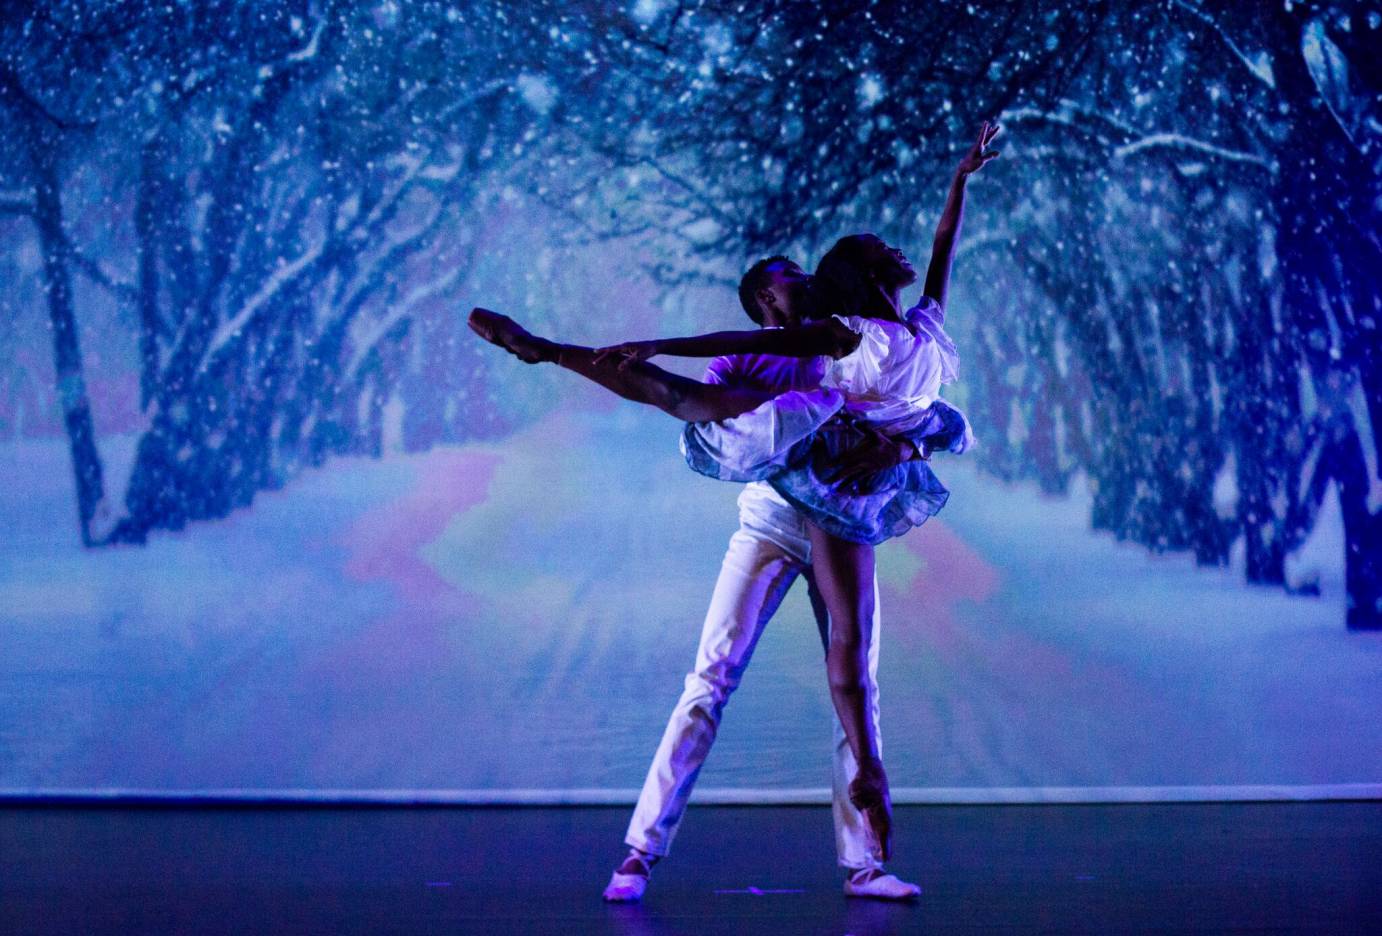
{"x":686,"y":399}
{"x":844,"y":574}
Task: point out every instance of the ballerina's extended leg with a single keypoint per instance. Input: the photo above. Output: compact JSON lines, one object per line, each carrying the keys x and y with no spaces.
{"x":686,"y":399}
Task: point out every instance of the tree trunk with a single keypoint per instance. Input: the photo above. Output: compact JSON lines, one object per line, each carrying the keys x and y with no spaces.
{"x":1343,"y":459}
{"x":1320,"y":219}
{"x":146,"y":204}
{"x":67,"y":355}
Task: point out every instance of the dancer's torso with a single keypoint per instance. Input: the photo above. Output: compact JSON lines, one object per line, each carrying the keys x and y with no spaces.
{"x":762,"y":511}
{"x":890,"y":380}
{"x":897,"y":370}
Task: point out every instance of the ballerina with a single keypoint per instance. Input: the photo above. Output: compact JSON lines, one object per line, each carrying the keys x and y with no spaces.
{"x":885,"y":375}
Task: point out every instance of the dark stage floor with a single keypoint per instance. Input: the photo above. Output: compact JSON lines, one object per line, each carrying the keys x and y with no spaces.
{"x":1300,"y":867}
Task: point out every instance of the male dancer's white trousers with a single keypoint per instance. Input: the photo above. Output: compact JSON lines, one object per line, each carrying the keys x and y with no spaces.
{"x":766,"y":554}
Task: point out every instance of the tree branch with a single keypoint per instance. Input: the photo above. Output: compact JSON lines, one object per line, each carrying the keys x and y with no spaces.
{"x":1261,"y":67}
{"x":1176,"y":141}
{"x":122,"y":291}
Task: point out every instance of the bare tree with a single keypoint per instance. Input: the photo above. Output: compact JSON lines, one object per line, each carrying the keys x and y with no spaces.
{"x":303,"y":180}
{"x":1177,"y":262}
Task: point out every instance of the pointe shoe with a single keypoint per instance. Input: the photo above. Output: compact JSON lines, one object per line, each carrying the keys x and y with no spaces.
{"x":869,"y":794}
{"x":629,"y":888}
{"x":880,"y":886}
{"x":514,"y":338}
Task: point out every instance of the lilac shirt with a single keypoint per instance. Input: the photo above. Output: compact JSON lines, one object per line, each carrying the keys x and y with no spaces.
{"x":762,"y":511}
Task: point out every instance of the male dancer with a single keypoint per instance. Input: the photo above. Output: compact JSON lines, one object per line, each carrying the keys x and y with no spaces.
{"x":766,"y":554}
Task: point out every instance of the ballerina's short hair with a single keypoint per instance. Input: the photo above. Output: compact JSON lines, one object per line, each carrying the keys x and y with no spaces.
{"x":755,"y":279}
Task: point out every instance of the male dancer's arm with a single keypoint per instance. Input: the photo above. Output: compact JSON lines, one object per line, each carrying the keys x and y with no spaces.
{"x":948,"y":229}
{"x":865,"y":460}
{"x":876,"y":452}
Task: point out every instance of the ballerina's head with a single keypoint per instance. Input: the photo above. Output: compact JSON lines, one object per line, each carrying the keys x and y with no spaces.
{"x":861,"y":271}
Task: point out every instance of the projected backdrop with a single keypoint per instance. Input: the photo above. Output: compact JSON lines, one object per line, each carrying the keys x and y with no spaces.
{"x":275,"y":519}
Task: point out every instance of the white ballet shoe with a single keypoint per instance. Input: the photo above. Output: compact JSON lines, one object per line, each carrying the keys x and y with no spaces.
{"x":881,"y":887}
{"x":629,"y":888}
{"x":625,"y":888}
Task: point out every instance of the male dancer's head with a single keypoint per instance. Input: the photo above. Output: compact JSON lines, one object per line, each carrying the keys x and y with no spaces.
{"x":777,"y":293}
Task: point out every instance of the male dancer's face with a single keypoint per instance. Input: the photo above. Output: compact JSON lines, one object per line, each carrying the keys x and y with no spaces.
{"x":787,"y":299}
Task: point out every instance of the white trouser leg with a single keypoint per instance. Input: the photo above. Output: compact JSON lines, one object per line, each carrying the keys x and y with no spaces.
{"x":852,"y":843}
{"x":754,"y":577}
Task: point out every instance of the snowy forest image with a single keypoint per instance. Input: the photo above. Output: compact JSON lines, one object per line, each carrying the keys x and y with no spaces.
{"x":275,"y":518}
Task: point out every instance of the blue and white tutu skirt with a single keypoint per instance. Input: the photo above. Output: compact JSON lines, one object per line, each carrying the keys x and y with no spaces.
{"x":887,"y":505}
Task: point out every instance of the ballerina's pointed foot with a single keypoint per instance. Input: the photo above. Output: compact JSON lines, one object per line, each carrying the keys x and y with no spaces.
{"x":869,"y":794}
{"x":514,"y":338}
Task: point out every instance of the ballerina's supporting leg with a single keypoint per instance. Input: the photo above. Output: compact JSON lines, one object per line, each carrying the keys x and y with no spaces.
{"x":844,"y":575}
{"x":686,"y":399}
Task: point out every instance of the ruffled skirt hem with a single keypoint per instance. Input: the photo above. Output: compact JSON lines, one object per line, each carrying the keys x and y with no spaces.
{"x":887,"y":505}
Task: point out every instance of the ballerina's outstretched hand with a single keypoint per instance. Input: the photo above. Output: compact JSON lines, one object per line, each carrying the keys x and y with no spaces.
{"x":979,"y":154}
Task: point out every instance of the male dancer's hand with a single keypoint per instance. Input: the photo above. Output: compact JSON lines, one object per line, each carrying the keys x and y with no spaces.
{"x":878,"y":453}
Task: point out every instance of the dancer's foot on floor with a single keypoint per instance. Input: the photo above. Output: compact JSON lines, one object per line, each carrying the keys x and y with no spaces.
{"x":506,"y":333}
{"x":869,"y":794}
{"x":878,"y":884}
{"x":630,"y":879}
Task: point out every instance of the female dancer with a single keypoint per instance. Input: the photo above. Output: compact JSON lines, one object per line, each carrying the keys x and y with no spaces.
{"x":888,"y":367}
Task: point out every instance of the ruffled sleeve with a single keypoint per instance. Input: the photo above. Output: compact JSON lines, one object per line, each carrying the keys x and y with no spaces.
{"x":930,"y":309}
{"x":929,"y":316}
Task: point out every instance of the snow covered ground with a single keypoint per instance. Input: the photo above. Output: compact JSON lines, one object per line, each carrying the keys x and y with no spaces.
{"x":520,"y":615}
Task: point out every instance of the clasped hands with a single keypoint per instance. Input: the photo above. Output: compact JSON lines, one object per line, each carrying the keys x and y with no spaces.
{"x":628,"y":352}
{"x":877,"y":452}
